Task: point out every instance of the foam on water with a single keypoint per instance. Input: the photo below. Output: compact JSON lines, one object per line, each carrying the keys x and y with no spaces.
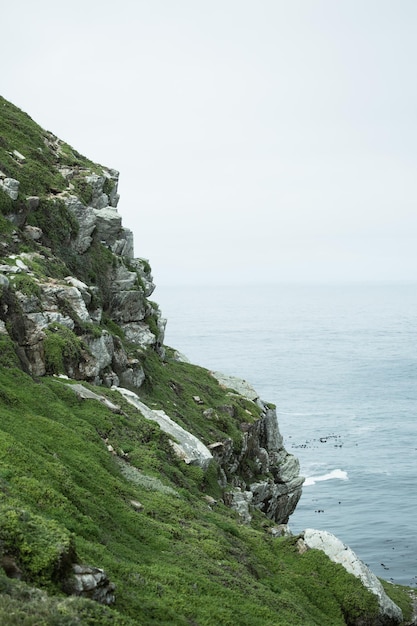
{"x":336,"y":473}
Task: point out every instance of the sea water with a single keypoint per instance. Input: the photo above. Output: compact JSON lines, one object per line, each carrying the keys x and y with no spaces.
{"x":340,"y":363}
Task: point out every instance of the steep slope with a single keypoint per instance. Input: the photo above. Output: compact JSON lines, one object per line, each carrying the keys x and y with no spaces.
{"x":115,"y":454}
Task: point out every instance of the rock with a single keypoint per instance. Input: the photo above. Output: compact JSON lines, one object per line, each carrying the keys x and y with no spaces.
{"x":239,"y":501}
{"x":338,"y":552}
{"x":123,"y":247}
{"x":10,"y":567}
{"x":91,"y":582}
{"x":18,"y":156}
{"x":139,"y":334}
{"x":187,"y":446}
{"x":132,"y":377}
{"x":66,"y":298}
{"x":11,"y":187}
{"x":101,"y":350}
{"x":33,"y":232}
{"x":85,"y":394}
{"x":242,"y":387}
{"x":86,"y":221}
{"x":129,"y":306}
{"x":108,"y":224}
{"x":262,"y":454}
{"x":32,"y":202}
{"x":99,"y":198}
{"x":143,"y":269}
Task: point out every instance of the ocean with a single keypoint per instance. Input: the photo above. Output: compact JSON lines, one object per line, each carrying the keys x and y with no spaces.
{"x":340,"y":363}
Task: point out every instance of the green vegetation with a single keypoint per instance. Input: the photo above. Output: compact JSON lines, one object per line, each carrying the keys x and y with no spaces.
{"x":8,"y":356}
{"x":27,"y":285}
{"x":175,"y":561}
{"x":57,"y":223}
{"x":173,"y":388}
{"x":37,"y":171}
{"x":82,"y":483}
{"x":42,"y":154}
{"x":62,"y":349}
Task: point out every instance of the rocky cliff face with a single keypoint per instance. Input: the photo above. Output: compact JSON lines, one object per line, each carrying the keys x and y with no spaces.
{"x":75,"y":302}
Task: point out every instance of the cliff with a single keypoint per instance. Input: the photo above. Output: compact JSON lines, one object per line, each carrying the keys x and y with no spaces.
{"x":127,"y":476}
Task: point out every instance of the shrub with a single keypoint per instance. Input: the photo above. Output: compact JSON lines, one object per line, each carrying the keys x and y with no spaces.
{"x":8,"y":356}
{"x":62,"y":349}
{"x":41,"y":547}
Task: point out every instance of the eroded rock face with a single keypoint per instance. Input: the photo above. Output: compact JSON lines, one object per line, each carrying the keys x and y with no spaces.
{"x":38,"y":304}
{"x":264,"y":470}
{"x":264,"y":473}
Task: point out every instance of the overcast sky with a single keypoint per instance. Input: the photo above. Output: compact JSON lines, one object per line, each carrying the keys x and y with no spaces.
{"x":257,"y":140}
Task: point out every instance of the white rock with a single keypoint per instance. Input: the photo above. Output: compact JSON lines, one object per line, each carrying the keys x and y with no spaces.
{"x":186,"y":445}
{"x":22,"y":265}
{"x":19,"y":156}
{"x":239,"y":385}
{"x":338,"y":552}
{"x":11,"y":187}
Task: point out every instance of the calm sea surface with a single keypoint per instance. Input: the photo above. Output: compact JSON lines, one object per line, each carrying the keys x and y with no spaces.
{"x":340,"y":363}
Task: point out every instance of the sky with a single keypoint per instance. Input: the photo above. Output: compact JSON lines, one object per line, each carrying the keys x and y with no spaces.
{"x":257,"y":141}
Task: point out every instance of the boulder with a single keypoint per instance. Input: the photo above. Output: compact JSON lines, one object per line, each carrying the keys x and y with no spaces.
{"x":339,"y":552}
{"x":99,"y":198}
{"x":139,"y":334}
{"x":239,"y":385}
{"x":124,"y":246}
{"x":108,"y":224}
{"x":11,"y":187}
{"x":86,"y":219}
{"x":91,"y":582}
{"x":66,"y":298}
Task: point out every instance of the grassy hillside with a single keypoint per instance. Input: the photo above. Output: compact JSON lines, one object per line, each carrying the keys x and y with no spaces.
{"x":82,"y":482}
{"x":176,"y":560}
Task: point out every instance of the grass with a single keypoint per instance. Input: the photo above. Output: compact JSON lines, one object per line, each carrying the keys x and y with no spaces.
{"x":177,"y":560}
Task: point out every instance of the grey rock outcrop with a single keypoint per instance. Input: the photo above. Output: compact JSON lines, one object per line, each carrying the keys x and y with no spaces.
{"x":263,"y":472}
{"x":188,"y":447}
{"x":39,"y":303}
{"x":338,"y":552}
{"x":93,"y":583}
{"x":11,"y":187}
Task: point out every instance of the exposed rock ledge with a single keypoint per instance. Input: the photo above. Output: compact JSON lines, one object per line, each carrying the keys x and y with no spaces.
{"x":187,"y":446}
{"x":274,"y":486}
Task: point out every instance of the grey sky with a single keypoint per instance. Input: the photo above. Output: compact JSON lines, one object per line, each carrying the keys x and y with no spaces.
{"x":257,"y":141}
